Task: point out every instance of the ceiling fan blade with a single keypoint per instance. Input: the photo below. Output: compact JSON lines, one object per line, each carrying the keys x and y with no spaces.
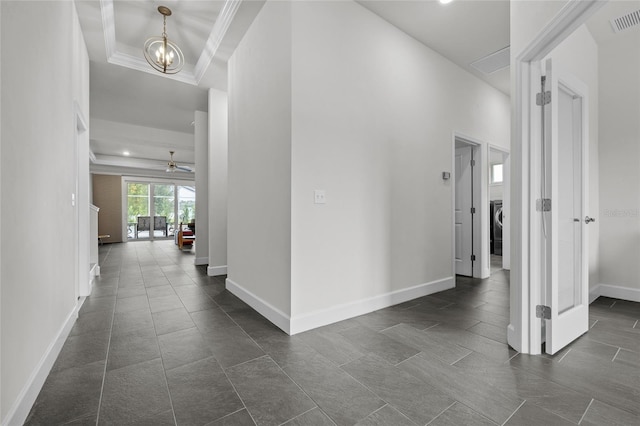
{"x":184,"y":168}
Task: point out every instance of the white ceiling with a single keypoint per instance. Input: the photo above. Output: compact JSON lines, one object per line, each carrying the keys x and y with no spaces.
{"x":128,"y":95}
{"x":462,"y":31}
{"x":125,"y":89}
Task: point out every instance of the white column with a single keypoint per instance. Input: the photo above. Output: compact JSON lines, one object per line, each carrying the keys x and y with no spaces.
{"x":218,"y":141}
{"x":202,"y":187}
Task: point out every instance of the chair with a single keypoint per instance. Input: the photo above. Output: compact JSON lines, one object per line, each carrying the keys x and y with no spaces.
{"x":160,"y":224}
{"x":185,"y":237}
{"x":144,"y":224}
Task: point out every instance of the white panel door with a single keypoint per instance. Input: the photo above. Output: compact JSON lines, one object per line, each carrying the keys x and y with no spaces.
{"x":463,"y":217}
{"x":566,"y":242}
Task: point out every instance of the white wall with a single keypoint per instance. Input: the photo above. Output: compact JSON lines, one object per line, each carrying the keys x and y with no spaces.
{"x":37,"y":175}
{"x":374,"y":113}
{"x":619,"y":215}
{"x":259,"y":187}
{"x":578,"y":55}
{"x":201,"y":138}
{"x":218,"y":143}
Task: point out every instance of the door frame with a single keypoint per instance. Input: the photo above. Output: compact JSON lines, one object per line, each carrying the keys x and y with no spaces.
{"x":506,"y":203}
{"x":82,"y":200}
{"x":481,"y":267}
{"x":524,"y":329}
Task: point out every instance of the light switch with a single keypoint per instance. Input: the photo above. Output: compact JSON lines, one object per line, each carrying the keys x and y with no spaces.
{"x":73,"y":199}
{"x":319,"y":196}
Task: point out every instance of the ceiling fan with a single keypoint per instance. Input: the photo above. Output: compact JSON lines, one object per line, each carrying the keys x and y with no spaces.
{"x":173,"y":167}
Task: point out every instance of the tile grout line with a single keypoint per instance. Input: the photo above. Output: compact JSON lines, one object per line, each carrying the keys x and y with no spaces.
{"x":585,"y":411}
{"x":231,"y":414}
{"x":302,"y":390}
{"x":460,"y":359}
{"x":512,"y":414}
{"x":634,"y":325}
{"x":373,"y":392}
{"x":614,"y":302}
{"x":106,"y":359}
{"x":412,"y":356}
{"x":238,"y":393}
{"x":512,"y":357}
{"x":164,"y":370}
{"x":565,"y":354}
{"x":614,"y":357}
{"x":431,"y":326}
{"x":302,"y":414}
{"x":441,"y":413}
{"x":594,"y":324}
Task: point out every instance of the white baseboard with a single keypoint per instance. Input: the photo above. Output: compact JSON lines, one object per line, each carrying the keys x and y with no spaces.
{"x":22,"y":406}
{"x":615,"y":292}
{"x":201,"y":261}
{"x":345,"y":311}
{"x":270,"y":312}
{"x":213,"y":271}
{"x":334,"y":314}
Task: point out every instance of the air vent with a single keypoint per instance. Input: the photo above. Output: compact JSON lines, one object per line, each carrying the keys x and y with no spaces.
{"x":493,"y":62}
{"x":626,"y":21}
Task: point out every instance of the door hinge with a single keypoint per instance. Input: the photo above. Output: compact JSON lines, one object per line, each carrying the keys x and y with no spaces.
{"x":473,"y":210}
{"x":473,"y":257}
{"x":543,"y":98}
{"x":473,"y":163}
{"x":543,"y":205}
{"x":543,"y":312}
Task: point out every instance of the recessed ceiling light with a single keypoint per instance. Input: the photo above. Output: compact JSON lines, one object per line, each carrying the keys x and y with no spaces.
{"x":126,"y":153}
{"x":445,"y":1}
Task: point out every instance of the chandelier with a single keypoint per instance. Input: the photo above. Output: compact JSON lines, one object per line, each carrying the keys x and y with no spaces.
{"x":161,"y":53}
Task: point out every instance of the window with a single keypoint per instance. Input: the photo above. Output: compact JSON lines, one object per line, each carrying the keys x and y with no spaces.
{"x":496,"y":173}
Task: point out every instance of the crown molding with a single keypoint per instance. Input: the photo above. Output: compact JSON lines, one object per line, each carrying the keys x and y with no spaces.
{"x":218,"y":32}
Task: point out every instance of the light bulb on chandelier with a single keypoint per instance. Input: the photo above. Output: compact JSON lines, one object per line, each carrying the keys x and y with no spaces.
{"x":161,"y":53}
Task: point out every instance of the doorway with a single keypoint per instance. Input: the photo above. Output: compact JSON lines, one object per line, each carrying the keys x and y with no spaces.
{"x":499,"y":203}
{"x":468,"y":256}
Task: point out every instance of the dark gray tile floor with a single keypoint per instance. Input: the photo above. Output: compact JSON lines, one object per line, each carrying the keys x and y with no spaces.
{"x":160,"y":343}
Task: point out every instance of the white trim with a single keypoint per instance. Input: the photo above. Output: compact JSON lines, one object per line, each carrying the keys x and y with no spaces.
{"x":482,"y":267}
{"x":219,"y":30}
{"x":345,"y":311}
{"x":213,"y":271}
{"x":18,"y":413}
{"x":615,"y":292}
{"x":264,"y":308}
{"x":334,"y":314}
{"x":201,"y":261}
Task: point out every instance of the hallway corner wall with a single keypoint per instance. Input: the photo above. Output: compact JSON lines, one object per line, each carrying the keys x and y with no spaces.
{"x":259,"y":165}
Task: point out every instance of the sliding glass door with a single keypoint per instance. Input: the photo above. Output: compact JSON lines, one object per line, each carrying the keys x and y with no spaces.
{"x":164,"y":206}
{"x":152,"y":209}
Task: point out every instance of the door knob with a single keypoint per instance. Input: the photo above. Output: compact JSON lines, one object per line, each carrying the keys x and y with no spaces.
{"x":588,"y":219}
